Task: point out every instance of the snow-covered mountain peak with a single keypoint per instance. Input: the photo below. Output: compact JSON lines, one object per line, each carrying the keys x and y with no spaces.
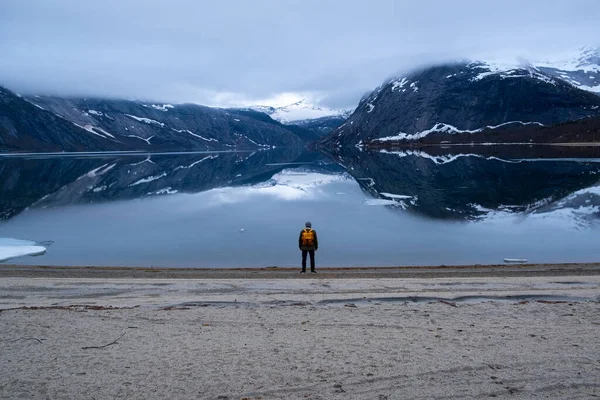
{"x":579,"y":67}
{"x":470,"y":95}
{"x":585,"y":59}
{"x":300,"y":110}
{"x":504,"y":69}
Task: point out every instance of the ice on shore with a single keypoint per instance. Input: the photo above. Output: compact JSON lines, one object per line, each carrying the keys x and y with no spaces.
{"x":13,"y":248}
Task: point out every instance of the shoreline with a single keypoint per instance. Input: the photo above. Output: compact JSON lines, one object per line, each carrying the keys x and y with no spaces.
{"x":442,"y":271}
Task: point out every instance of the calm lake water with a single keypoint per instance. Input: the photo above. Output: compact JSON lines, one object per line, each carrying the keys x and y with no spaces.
{"x":443,"y":206}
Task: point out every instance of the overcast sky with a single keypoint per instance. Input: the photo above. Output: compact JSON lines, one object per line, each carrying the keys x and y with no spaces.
{"x":226,"y":52}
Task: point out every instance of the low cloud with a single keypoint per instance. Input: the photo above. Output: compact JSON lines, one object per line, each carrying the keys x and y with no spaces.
{"x":237,"y":52}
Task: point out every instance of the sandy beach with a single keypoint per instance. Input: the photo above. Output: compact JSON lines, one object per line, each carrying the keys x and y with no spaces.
{"x":386,"y":333}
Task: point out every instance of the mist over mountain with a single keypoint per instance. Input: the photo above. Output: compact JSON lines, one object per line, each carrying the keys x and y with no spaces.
{"x":302,"y":110}
{"x":43,"y":123}
{"x":452,"y":99}
{"x":468,"y":97}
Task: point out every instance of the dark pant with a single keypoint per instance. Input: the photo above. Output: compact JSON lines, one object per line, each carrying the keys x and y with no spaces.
{"x":312,"y":259}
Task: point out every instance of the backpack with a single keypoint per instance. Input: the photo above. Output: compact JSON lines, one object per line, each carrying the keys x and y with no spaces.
{"x":308,"y":237}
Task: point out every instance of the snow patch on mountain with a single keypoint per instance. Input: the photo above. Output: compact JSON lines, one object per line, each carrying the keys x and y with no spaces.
{"x":253,"y":142}
{"x":194,"y":134}
{"x":579,"y":67}
{"x":398,"y":84}
{"x":446,"y":128}
{"x":161,"y":107}
{"x":95,"y":130}
{"x":401,"y":85}
{"x":164,"y":191}
{"x":141,"y":138}
{"x":146,"y":120}
{"x":149,"y":179}
{"x":585,"y":59}
{"x":507,"y":70}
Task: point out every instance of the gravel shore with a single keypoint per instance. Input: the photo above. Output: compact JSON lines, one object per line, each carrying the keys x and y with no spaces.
{"x":399,"y":333}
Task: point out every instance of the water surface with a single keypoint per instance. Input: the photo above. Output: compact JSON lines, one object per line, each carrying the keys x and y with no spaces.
{"x":246,"y":209}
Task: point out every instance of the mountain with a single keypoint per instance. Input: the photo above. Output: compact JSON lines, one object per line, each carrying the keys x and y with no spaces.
{"x":300,"y":111}
{"x":50,"y":124}
{"x":306,"y":134}
{"x":322,"y":126}
{"x":584,"y":130}
{"x":24,"y":126}
{"x":580,"y":68}
{"x":463,"y":97}
{"x":167,"y":126}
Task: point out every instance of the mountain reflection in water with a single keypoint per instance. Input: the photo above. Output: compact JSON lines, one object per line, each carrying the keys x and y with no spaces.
{"x":470,"y":182}
{"x":433,"y":182}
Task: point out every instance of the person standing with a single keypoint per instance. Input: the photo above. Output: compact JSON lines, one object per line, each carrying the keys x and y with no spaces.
{"x":308,"y":244}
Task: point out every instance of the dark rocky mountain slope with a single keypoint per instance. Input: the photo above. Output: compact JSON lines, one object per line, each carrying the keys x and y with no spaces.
{"x":462,"y":97}
{"x":581,"y":131}
{"x":172,"y":127}
{"x":49,"y":124}
{"x":23,"y":126}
